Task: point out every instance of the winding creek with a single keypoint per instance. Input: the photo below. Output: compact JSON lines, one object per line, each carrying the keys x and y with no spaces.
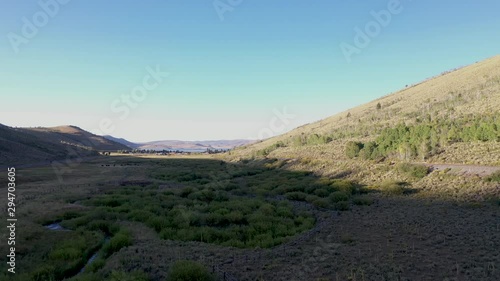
{"x":56,"y":226}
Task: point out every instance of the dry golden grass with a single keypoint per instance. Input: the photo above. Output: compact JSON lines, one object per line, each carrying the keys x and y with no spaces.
{"x":474,"y":89}
{"x":475,"y":153}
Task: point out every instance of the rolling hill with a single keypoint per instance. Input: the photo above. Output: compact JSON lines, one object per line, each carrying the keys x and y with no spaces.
{"x":452,"y":118}
{"x":455,"y":95}
{"x":193,"y":146}
{"x":34,"y":145}
{"x":122,"y":141}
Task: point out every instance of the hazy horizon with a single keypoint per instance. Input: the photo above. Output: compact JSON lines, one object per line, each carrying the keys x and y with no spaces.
{"x":232,"y":74}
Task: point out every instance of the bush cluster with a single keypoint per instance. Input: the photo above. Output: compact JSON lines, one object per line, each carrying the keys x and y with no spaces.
{"x":189,"y":271}
{"x":425,"y":139}
{"x":413,"y":170}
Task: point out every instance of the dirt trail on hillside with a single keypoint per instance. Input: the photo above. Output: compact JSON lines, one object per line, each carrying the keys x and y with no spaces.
{"x":466,"y":170}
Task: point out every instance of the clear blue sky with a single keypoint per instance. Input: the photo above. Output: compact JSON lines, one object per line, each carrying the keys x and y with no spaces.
{"x":226,"y":76}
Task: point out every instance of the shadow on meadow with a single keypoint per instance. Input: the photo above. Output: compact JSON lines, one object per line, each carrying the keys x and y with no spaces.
{"x":231,"y":208}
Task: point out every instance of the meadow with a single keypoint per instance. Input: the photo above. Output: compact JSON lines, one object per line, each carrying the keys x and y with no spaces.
{"x":155,"y":218}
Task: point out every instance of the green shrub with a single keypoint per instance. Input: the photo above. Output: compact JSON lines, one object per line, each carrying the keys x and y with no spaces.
{"x":315,"y":139}
{"x":362,"y":200}
{"x":338,"y":196}
{"x":97,"y":264}
{"x":157,"y":223}
{"x":205,"y":195}
{"x":495,"y":177}
{"x":120,"y":240}
{"x":369,"y":151}
{"x":234,"y":243}
{"x":298,"y":141}
{"x":67,"y":253}
{"x":221,"y":196}
{"x":186,"y":191}
{"x":324,"y":181}
{"x":321,"y":192}
{"x":76,"y":222}
{"x":71,"y":215}
{"x":43,"y":273}
{"x":269,"y":149}
{"x":321,"y":203}
{"x":168,"y":234}
{"x":104,"y":226}
{"x":236,"y":217}
{"x":140,"y":215}
{"x":310,"y":188}
{"x":128,"y":276}
{"x":189,"y":271}
{"x":101,"y":213}
{"x":342,"y":206}
{"x":230,"y":186}
{"x":344,"y":185}
{"x":311,"y":198}
{"x":87,"y":277}
{"x":392,"y":188}
{"x":297,"y":196}
{"x":352,"y":149}
{"x":413,"y":170}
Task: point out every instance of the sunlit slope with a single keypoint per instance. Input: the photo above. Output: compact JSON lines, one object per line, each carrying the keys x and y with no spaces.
{"x":35,"y":145}
{"x":471,"y":90}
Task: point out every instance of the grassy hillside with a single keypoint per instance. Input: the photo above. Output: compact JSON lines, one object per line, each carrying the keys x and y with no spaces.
{"x":33,"y":145}
{"x":458,"y":97}
{"x":452,"y":118}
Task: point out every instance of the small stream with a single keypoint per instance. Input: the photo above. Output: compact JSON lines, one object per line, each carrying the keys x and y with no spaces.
{"x":94,"y":256}
{"x":56,"y":226}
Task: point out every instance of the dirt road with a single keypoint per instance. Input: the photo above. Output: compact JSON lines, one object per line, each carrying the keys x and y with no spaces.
{"x":469,"y":170}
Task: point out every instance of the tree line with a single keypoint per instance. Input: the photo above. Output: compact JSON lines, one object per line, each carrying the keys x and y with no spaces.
{"x":424,"y":139}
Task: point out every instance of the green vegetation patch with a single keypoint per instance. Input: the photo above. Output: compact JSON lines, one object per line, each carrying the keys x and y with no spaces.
{"x":495,"y":177}
{"x":67,"y":257}
{"x":393,"y":188}
{"x":426,"y":137}
{"x":413,"y":170}
{"x":189,"y":271}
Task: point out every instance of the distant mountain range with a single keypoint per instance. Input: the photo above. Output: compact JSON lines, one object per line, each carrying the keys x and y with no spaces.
{"x":33,"y":145}
{"x":122,"y":141}
{"x":193,"y":146}
{"x":40,"y":145}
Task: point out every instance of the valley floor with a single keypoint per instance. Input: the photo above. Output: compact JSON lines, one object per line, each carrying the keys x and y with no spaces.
{"x":411,"y":236}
